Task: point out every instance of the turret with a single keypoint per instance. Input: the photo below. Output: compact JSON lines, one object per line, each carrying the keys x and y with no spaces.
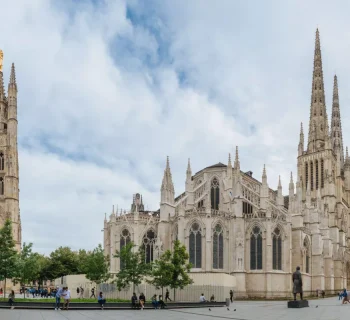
{"x":301,"y":141}
{"x":336,"y":129}
{"x":280,"y":199}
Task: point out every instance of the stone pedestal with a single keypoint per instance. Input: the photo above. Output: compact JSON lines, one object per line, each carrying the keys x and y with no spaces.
{"x":298,"y":304}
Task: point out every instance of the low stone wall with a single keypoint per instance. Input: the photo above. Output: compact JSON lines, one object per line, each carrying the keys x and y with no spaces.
{"x":111,"y":305}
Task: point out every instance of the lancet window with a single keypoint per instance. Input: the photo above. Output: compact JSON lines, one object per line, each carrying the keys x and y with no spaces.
{"x":125,"y":238}
{"x":311,"y":175}
{"x":218,"y":247}
{"x":277,"y":250}
{"x":215,"y":194}
{"x":2,"y":161}
{"x":316,"y":168}
{"x":306,"y":174}
{"x":256,"y":249}
{"x":322,"y":173}
{"x":148,"y":244}
{"x":307,"y":256}
{"x":195,"y":245}
{"x":2,"y":187}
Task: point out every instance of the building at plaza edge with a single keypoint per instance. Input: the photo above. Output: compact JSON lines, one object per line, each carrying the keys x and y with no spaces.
{"x":234,"y":224}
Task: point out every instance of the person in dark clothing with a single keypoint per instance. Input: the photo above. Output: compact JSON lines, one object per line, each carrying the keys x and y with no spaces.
{"x":11,"y":298}
{"x":93,"y":293}
{"x":161,"y":302}
{"x":167,"y":296}
{"x":142,"y":300}
{"x":231,"y":295}
{"x":101,"y":300}
{"x":134,"y":301}
{"x":323,"y":294}
{"x":345,"y":296}
{"x":297,"y":284}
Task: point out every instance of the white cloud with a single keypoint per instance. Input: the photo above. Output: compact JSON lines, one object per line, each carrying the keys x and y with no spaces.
{"x":101,"y":103}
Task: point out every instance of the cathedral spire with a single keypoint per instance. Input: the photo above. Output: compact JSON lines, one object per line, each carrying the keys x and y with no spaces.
{"x":291,"y":186}
{"x":13,"y":83}
{"x":237,"y":164}
{"x":167,"y":189}
{"x":336,"y":130}
{"x":301,"y":140}
{"x":264,"y":176}
{"x":189,"y":171}
{"x":318,"y":125}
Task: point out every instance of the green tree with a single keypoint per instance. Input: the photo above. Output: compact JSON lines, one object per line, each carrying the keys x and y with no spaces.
{"x":83,"y":256}
{"x":180,"y":267}
{"x":134,"y":269}
{"x":64,"y":262}
{"x":162,"y":271}
{"x":8,"y":253}
{"x":28,"y":267}
{"x":97,"y":266}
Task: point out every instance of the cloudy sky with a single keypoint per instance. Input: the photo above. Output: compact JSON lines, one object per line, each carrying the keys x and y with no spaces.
{"x":108,"y":89}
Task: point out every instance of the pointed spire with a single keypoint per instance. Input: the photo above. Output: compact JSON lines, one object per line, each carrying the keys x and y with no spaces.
{"x":318,"y":114}
{"x":105,"y":217}
{"x":291,"y":185}
{"x":336,"y":129}
{"x":189,"y":170}
{"x":264,"y":176}
{"x":167,"y":189}
{"x":237,"y":164}
{"x":12,"y":83}
{"x":113,"y":210}
{"x":279,"y":182}
{"x":291,"y":177}
{"x":229,"y":160}
{"x":301,"y":140}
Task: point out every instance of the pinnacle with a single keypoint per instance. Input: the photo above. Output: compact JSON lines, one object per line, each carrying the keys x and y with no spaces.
{"x":264,"y":171}
{"x":2,"y":89}
{"x":279,"y":182}
{"x":291,"y":177}
{"x":301,"y":128}
{"x":229,"y":159}
{"x":237,"y":158}
{"x":189,"y":167}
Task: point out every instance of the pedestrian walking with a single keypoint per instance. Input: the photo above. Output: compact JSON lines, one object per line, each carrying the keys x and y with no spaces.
{"x":93,"y":293}
{"x":167,"y":296}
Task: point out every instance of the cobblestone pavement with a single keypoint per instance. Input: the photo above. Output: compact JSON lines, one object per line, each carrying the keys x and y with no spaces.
{"x":323,"y":309}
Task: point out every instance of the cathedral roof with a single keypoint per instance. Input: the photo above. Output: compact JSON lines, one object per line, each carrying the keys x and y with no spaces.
{"x":218,"y":165}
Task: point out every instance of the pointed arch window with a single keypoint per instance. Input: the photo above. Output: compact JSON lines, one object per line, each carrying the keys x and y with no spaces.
{"x":316,"y":168}
{"x":306,"y":174}
{"x":322,"y":173}
{"x":2,"y":187}
{"x":218,"y":247}
{"x":2,"y":161}
{"x":311,"y":175}
{"x":277,"y":250}
{"x":256,"y":249}
{"x":148,"y":245}
{"x":195,"y":245}
{"x":247,"y":207}
{"x":307,"y":256}
{"x":215,"y":194}
{"x":125,"y":238}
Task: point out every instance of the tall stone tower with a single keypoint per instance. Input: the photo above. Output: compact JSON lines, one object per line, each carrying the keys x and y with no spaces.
{"x":321,"y":190}
{"x":9,"y":172}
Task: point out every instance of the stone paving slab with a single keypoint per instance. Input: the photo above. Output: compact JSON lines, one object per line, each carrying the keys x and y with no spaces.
{"x":323,"y":309}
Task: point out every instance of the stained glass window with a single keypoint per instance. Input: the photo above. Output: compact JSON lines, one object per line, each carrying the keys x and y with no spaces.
{"x":276,"y":250}
{"x":195,"y":245}
{"x":125,"y":238}
{"x":256,"y":249}
{"x":215,"y":194}
{"x":218,"y":248}
{"x":148,"y":245}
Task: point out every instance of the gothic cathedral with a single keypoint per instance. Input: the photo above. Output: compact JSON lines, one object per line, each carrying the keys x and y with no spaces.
{"x":236,"y":226}
{"x":9,"y":192}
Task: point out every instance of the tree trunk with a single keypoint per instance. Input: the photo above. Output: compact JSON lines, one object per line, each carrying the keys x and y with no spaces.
{"x":162,"y":292}
{"x":174,"y":294}
{"x":5,"y":289}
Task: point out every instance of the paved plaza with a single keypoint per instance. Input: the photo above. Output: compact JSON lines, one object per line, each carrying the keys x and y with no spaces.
{"x":327,"y":309}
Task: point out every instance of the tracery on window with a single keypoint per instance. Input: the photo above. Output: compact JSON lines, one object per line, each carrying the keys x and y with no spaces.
{"x":148,"y":242}
{"x":215,"y":194}
{"x":256,"y":249}
{"x":218,"y":247}
{"x":247,"y":207}
{"x":195,"y":245}
{"x":277,"y":250}
{"x":125,"y":238}
{"x":306,"y":174}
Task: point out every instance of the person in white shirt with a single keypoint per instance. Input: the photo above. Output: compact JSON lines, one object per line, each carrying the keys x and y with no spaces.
{"x":202,"y":298}
{"x":66,"y":296}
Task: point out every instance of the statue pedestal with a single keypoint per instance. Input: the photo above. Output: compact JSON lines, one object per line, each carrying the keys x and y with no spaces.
{"x":298,"y":304}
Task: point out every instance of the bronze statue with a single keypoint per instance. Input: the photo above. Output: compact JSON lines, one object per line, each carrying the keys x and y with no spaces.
{"x":297,"y":284}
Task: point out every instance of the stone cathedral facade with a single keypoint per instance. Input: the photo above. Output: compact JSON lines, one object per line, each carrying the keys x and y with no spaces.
{"x":9,"y":173}
{"x":235,"y":224}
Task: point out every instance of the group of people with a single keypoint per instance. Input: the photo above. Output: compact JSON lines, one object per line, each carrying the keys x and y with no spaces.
{"x":65,"y":294}
{"x":344,"y":294}
{"x":157,"y":301}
